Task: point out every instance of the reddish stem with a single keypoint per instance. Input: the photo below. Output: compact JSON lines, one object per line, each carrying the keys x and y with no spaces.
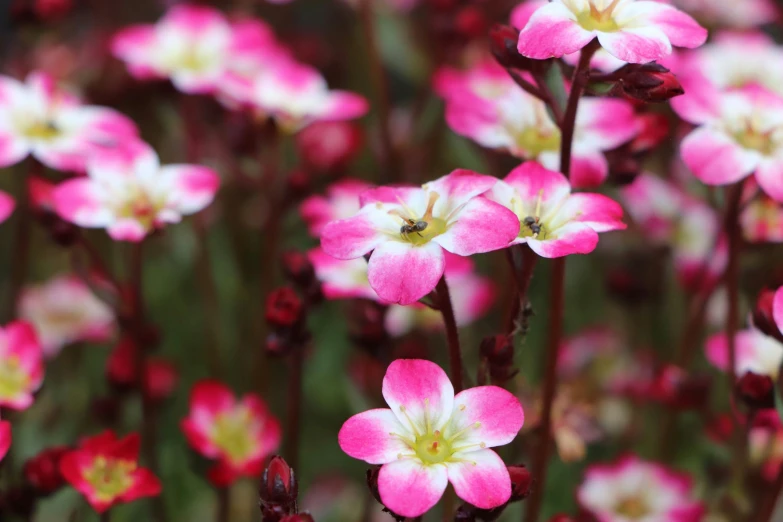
{"x":224,"y":504}
{"x":770,"y":501}
{"x":523,"y":275}
{"x":21,"y":248}
{"x":294,"y":414}
{"x":452,"y":334}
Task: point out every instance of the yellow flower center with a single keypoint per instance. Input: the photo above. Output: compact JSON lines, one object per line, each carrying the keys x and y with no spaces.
{"x":596,"y":19}
{"x":233,"y":433}
{"x":45,"y":130}
{"x":13,"y":379}
{"x":138,"y":204}
{"x":109,"y":477}
{"x":432,"y":448}
{"x":633,"y":508}
{"x":419,"y":230}
{"x":535,"y":140}
{"x":754,"y":139}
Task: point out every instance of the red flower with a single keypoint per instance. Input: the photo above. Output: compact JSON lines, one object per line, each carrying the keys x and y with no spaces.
{"x":239,"y":434}
{"x":106,"y":471}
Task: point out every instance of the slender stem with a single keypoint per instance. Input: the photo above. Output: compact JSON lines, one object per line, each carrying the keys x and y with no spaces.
{"x":294,"y":416}
{"x":389,"y":160}
{"x":106,"y":516}
{"x":526,"y":85}
{"x":224,"y":504}
{"x":21,"y":248}
{"x":557,"y":293}
{"x":452,"y":334}
{"x":541,"y":454}
{"x":522,"y":277}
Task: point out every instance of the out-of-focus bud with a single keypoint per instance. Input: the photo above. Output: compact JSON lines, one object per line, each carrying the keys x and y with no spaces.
{"x":121,"y":365}
{"x":299,"y":517}
{"x":470,"y":22}
{"x":298,"y":183}
{"x":503,"y":45}
{"x":762,"y":315}
{"x":52,"y":10}
{"x":298,"y":269}
{"x":649,"y":83}
{"x":756,"y":391}
{"x":653,"y":129}
{"x":330,"y":146}
{"x":279,"y":488}
{"x":498,"y":352}
{"x":160,"y":379}
{"x":284,"y":308}
{"x":521,"y":480}
{"x":675,"y":388}
{"x":372,"y":485}
{"x":42,"y":472}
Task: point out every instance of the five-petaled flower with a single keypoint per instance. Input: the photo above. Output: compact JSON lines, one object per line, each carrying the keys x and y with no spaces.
{"x":738,"y":134}
{"x":64,"y":310}
{"x":635,"y":31}
{"x":484,"y":104}
{"x":106,"y":471}
{"x":633,"y":489}
{"x":554,"y":222}
{"x":38,"y":118}
{"x":239,"y":434}
{"x":408,"y":228}
{"x":430,"y":437}
{"x":130,"y":194}
{"x":21,"y":365}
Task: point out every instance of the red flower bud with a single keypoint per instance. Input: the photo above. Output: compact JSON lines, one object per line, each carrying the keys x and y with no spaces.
{"x":521,"y":480}
{"x":42,"y":472}
{"x":650,"y":83}
{"x":756,"y":391}
{"x":762,"y":315}
{"x":121,"y":365}
{"x":283,"y":308}
{"x":470,"y":22}
{"x":330,"y":146}
{"x":503,"y":45}
{"x":278,"y":486}
{"x":498,"y":352}
{"x":160,"y":379}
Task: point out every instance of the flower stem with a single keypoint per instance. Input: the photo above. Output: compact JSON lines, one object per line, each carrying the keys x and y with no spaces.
{"x":294,"y":414}
{"x":106,"y":516}
{"x":224,"y":504}
{"x":557,"y":293}
{"x":388,"y":161}
{"x":523,"y":275}
{"x":452,"y":334}
{"x":21,"y":248}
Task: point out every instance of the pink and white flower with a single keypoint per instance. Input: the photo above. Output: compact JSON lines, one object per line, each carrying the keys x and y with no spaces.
{"x":130,"y":194}
{"x":64,"y":310}
{"x":429,"y":437}
{"x":7,"y":205}
{"x":667,"y":215}
{"x":635,"y":31}
{"x":738,"y":134}
{"x":196,"y":47}
{"x":341,"y":278}
{"x":340,"y":202}
{"x":5,"y":438}
{"x":755,"y":352}
{"x":21,"y":365}
{"x":296,"y":95}
{"x":553,"y":221}
{"x":634,"y":489}
{"x":37,"y":118}
{"x":239,"y":434}
{"x":407,"y":230}
{"x":485,"y":105}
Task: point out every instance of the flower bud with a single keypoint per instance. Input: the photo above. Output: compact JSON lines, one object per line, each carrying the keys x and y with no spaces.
{"x":121,"y":365}
{"x":521,"y":480}
{"x":470,"y":22}
{"x":160,"y":379}
{"x":756,"y":391}
{"x":503,"y":45}
{"x":298,"y":269}
{"x":42,"y":472}
{"x":650,"y":83}
{"x":763,"y":318}
{"x":498,"y":352}
{"x":278,"y":485}
{"x":284,"y":308}
{"x":330,"y":146}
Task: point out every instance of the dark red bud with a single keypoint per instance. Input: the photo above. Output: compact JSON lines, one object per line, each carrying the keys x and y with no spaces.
{"x":756,"y":391}
{"x":160,"y":379}
{"x":121,"y":365}
{"x":470,"y":22}
{"x":42,"y":472}
{"x":521,"y":480}
{"x":650,"y":83}
{"x":298,"y":269}
{"x":284,"y":308}
{"x":498,"y":353}
{"x":330,"y":146}
{"x":503,"y":45}
{"x":299,"y":517}
{"x":763,"y":318}
{"x":278,"y":485}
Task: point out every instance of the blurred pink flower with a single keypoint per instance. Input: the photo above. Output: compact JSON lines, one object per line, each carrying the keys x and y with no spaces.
{"x":7,"y":205}
{"x":756,"y":353}
{"x":330,"y":145}
{"x":430,"y":437}
{"x":407,"y":230}
{"x":64,"y":310}
{"x":239,"y":434}
{"x":39,"y":119}
{"x":634,"y":489}
{"x":739,"y":15}
{"x":130,"y":194}
{"x":341,"y":201}
{"x":553,"y":221}
{"x":633,"y":31}
{"x":485,"y":105}
{"x":21,"y":365}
